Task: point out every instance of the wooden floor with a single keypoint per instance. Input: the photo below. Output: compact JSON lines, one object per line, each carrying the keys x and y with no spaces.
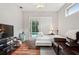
{"x":25,"y":50}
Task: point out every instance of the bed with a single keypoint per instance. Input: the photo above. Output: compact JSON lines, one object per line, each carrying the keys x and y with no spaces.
{"x":45,"y":40}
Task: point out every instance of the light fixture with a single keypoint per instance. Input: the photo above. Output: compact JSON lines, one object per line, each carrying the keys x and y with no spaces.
{"x":40,"y":6}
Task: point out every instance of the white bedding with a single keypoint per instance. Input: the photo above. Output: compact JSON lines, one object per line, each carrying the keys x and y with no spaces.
{"x":46,"y":40}
{"x":48,"y":37}
{"x":43,"y":38}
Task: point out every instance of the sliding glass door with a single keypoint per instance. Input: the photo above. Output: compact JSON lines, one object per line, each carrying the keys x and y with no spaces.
{"x":34,"y":24}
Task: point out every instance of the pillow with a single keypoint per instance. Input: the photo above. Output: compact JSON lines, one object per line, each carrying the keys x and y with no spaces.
{"x":72,"y":34}
{"x":40,"y":34}
{"x":72,"y":38}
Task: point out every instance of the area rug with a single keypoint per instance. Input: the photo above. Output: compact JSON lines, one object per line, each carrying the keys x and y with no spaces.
{"x":47,"y":51}
{"x":25,"y":50}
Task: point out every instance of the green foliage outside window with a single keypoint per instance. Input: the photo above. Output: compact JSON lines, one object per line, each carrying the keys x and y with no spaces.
{"x":35,"y":26}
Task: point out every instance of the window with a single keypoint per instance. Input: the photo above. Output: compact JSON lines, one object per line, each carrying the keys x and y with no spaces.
{"x":72,"y":9}
{"x":35,"y":26}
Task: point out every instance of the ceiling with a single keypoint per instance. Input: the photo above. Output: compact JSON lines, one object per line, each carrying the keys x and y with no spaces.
{"x":45,"y":6}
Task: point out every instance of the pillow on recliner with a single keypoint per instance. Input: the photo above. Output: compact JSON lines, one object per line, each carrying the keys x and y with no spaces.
{"x":72,"y":40}
{"x":72,"y":34}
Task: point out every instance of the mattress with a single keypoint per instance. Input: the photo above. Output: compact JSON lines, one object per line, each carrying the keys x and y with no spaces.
{"x":43,"y":38}
{"x":43,"y":43}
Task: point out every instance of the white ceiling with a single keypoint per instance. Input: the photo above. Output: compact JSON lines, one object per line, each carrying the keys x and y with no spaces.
{"x":47,"y":6}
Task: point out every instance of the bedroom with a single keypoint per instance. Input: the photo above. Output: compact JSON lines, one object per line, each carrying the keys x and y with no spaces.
{"x":51,"y":20}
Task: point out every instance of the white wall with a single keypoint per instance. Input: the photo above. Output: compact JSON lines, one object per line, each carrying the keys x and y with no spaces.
{"x":67,"y":23}
{"x":29,"y":14}
{"x":12,"y":15}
